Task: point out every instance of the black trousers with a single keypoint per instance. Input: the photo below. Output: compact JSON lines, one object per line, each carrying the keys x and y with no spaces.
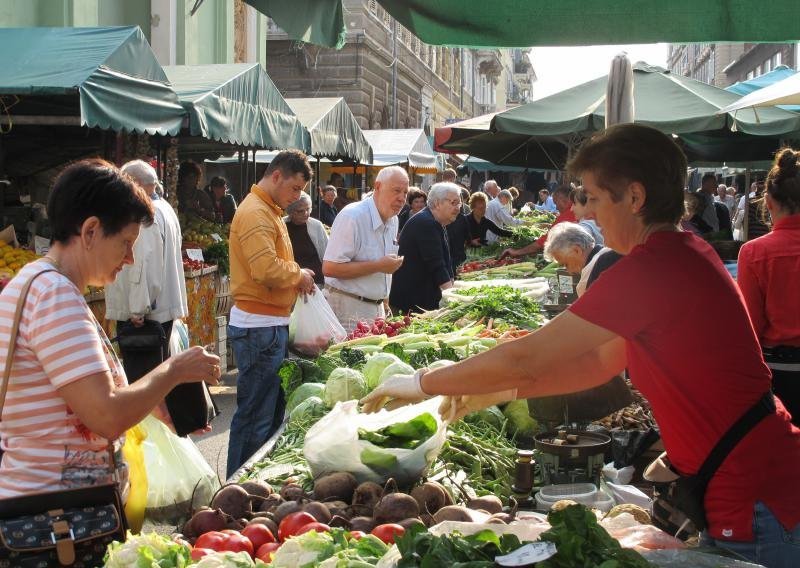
{"x":140,"y":362}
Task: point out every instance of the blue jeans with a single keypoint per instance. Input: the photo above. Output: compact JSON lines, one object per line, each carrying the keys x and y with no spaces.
{"x":772,"y":545}
{"x":260,"y":402}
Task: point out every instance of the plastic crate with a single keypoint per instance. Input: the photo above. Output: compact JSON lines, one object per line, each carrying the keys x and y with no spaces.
{"x":574,"y":491}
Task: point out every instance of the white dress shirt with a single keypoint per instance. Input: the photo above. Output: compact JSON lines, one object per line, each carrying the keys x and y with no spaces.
{"x":500,"y":216}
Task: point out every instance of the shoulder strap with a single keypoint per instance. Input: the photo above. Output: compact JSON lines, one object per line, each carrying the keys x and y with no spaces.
{"x":12,"y":340}
{"x":761,"y":409}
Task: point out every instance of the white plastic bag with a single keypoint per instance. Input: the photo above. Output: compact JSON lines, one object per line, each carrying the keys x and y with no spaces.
{"x":178,"y":477}
{"x":313,"y":325}
{"x":332,"y":444}
{"x":178,"y":338}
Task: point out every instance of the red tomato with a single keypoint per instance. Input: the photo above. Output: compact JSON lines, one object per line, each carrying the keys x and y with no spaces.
{"x":198,"y":553}
{"x":319,"y":527}
{"x":355,"y":535}
{"x":212,"y":540}
{"x":388,"y":531}
{"x":258,"y":534}
{"x":237,"y":542}
{"x":266,"y":551}
{"x":292,"y":523}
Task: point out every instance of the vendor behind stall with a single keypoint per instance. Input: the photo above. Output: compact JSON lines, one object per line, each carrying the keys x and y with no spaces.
{"x":222,"y":201}
{"x":191,"y":199}
{"x":642,"y":314}
{"x":308,"y":237}
{"x":564,"y":204}
{"x":479,"y":225}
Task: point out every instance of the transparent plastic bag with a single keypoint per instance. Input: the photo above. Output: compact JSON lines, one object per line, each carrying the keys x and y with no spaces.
{"x":178,"y":477}
{"x":332,"y":444}
{"x":313,"y":325}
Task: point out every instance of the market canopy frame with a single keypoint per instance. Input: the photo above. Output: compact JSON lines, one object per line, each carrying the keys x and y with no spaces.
{"x":236,"y":104}
{"x":106,"y":78}
{"x":403,"y":146}
{"x":526,"y":23}
{"x":542,"y":133}
{"x":786,"y":92}
{"x":333,"y":131}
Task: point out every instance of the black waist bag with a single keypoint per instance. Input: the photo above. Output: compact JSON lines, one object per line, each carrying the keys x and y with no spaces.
{"x":190,"y":405}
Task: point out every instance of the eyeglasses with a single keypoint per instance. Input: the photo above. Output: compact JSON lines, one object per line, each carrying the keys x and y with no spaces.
{"x":454,"y":202}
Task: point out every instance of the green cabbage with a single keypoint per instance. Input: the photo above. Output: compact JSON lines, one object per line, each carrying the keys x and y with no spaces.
{"x":303,"y":392}
{"x":519,"y":419}
{"x":147,"y":550}
{"x":344,"y":384}
{"x":398,"y":368}
{"x":375,"y":366}
{"x":310,"y":408}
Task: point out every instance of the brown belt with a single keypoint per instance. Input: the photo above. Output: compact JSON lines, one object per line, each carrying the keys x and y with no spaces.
{"x":354,"y":296}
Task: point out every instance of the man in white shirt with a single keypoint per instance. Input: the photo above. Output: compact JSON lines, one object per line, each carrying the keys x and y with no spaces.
{"x":498,"y":213}
{"x":722,"y":196}
{"x":153,"y":288}
{"x":491,"y":189}
{"x":362,"y":251}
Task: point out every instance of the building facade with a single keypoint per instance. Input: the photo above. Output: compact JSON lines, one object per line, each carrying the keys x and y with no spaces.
{"x":391,"y":79}
{"x":723,"y":64}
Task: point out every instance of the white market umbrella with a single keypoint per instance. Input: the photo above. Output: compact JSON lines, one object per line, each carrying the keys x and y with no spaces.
{"x":786,"y":92}
{"x":619,"y":91}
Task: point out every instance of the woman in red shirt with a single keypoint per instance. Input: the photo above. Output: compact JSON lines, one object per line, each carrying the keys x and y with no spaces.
{"x":769,"y":270}
{"x":642,"y":314}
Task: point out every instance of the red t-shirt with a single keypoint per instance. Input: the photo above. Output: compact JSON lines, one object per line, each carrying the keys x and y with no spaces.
{"x":692,"y":352}
{"x":769,"y":270}
{"x":567,"y":215}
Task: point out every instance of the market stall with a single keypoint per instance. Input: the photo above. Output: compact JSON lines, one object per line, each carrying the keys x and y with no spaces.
{"x":409,"y":148}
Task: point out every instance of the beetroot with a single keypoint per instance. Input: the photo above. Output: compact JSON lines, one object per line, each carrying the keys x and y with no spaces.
{"x":335,"y":486}
{"x":395,"y":507}
{"x":234,"y":500}
{"x":257,"y":488}
{"x":205,"y":521}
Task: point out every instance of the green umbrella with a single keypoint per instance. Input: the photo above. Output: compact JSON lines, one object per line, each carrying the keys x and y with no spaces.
{"x":541,"y":133}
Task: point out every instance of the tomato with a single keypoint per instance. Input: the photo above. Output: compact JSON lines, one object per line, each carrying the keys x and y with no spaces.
{"x":198,"y":553}
{"x":388,"y":531}
{"x":319,"y":527}
{"x":258,"y":534}
{"x":355,"y":535}
{"x":266,"y":551}
{"x":292,"y":523}
{"x":212,"y":540}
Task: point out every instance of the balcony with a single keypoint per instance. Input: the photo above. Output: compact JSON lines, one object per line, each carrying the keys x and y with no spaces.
{"x":489,"y":63}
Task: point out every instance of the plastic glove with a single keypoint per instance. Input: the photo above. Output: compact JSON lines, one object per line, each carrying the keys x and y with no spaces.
{"x":400,"y":389}
{"x":457,"y":407}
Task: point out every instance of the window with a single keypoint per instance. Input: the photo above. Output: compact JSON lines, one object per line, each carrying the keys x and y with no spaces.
{"x":750,"y":75}
{"x":768,"y":65}
{"x":373,"y":6}
{"x":776,"y":60}
{"x":758,"y":71}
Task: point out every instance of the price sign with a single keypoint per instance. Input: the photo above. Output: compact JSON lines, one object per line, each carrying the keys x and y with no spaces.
{"x":195,"y":254}
{"x":216,"y":237}
{"x":528,"y":554}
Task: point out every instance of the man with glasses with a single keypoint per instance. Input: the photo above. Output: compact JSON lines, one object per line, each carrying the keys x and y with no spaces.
{"x":427,"y":268}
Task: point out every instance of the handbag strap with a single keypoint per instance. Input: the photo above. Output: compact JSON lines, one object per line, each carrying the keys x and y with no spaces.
{"x":760,"y":410}
{"x":12,"y":347}
{"x":12,"y":340}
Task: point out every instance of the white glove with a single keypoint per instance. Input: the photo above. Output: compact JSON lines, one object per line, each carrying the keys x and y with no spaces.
{"x":457,"y":407}
{"x":401,"y":389}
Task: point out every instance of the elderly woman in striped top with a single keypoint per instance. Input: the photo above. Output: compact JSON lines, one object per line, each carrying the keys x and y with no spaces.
{"x":67,"y":398}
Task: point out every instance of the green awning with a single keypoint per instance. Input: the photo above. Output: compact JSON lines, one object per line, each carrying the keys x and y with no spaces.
{"x":334,"y":131}
{"x":540,"y":133}
{"x":403,"y":146}
{"x":109,"y":77}
{"x":525,"y":23}
{"x":237,"y":104}
{"x":313,"y":21}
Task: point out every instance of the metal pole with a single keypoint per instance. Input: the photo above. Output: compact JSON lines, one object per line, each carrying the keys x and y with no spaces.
{"x":319,"y":184}
{"x":394,"y":73}
{"x":255,"y":167}
{"x":746,"y":212}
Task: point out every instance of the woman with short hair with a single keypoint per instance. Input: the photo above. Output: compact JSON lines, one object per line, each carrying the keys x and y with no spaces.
{"x":571,"y":245}
{"x":308,"y":236}
{"x":479,"y":225}
{"x":415,"y":202}
{"x":68,"y":397}
{"x":643,"y":315}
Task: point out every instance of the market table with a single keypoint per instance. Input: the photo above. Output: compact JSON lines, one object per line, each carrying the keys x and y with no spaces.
{"x":201,"y":293}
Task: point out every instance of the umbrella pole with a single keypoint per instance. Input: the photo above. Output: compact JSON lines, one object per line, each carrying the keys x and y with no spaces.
{"x":319,"y":185}
{"x":255,"y":167}
{"x":746,"y":212}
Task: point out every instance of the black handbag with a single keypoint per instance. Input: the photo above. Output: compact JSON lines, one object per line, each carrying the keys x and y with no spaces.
{"x":69,"y":527}
{"x":678,"y":504}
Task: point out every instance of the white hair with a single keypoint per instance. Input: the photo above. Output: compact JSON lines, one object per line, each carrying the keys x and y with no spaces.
{"x":505,"y":193}
{"x":304,"y":199}
{"x":439,"y":192}
{"x":143,"y":173}
{"x":565,"y":235}
{"x":386,"y":173}
{"x":492,"y":182}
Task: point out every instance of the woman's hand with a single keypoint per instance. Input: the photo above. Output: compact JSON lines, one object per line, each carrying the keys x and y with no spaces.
{"x":400,"y":389}
{"x":455,"y":408}
{"x":194,"y":365}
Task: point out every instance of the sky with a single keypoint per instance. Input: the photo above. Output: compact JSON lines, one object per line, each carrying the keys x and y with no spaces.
{"x":559,"y":68}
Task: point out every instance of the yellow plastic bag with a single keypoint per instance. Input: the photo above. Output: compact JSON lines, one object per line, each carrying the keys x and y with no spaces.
{"x":137,"y":495}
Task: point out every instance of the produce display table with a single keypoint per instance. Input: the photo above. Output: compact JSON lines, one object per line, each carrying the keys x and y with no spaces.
{"x":201,"y":292}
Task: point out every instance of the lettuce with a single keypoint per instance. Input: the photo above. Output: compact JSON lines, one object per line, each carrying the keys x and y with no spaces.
{"x":375,"y":366}
{"x":344,"y":384}
{"x":145,"y":551}
{"x":398,"y":368}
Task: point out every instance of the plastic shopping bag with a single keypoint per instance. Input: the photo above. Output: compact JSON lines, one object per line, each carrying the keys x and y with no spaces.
{"x":178,"y":477}
{"x":313,"y":325}
{"x":137,"y":495}
{"x":179,"y":338}
{"x":332,"y":444}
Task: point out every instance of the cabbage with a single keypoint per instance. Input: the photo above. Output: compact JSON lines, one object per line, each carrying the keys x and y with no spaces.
{"x":146,"y":550}
{"x":344,"y":384}
{"x":439,"y":364}
{"x":398,"y":368}
{"x":306,"y":550}
{"x":375,"y":366}
{"x":519,"y":419}
{"x":222,"y":559}
{"x":309,"y":408}
{"x":303,"y":392}
{"x":491,"y":415}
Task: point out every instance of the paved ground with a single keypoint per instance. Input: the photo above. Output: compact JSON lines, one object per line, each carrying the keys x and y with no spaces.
{"x":214,"y":445}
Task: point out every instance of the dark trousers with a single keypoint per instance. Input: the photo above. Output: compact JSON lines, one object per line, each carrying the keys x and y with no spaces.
{"x":137,"y":364}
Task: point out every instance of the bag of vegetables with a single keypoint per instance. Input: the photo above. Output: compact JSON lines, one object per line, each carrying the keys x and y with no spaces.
{"x":400,"y":443}
{"x":313,"y":325}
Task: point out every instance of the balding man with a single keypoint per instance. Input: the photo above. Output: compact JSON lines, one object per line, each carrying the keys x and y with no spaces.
{"x":362,"y":251}
{"x":491,"y":188}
